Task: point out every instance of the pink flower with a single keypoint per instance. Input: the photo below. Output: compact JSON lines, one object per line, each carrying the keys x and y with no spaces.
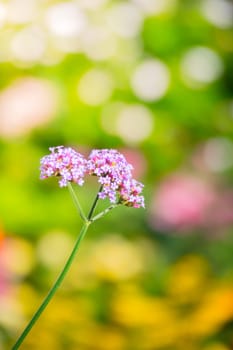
{"x":110,"y":167}
{"x":64,"y":162}
{"x":115,"y":175}
{"x":181,"y":202}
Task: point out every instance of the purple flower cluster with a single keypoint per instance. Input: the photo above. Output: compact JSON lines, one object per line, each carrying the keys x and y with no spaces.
{"x":130,"y":193}
{"x":65,"y":163}
{"x":114,"y":173}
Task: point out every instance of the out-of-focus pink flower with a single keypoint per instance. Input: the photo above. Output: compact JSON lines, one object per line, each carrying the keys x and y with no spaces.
{"x":220,"y":214}
{"x":181,"y":202}
{"x":26,"y":104}
{"x":137,"y":159}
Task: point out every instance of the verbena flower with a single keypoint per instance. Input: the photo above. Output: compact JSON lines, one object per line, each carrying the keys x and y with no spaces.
{"x":111,"y":168}
{"x":115,"y":175}
{"x":129,"y":192}
{"x":64,"y":162}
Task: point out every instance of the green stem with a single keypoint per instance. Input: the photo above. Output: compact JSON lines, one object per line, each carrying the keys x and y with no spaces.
{"x":76,"y":202}
{"x":104,"y":212}
{"x":94,"y":204}
{"x":54,"y":288}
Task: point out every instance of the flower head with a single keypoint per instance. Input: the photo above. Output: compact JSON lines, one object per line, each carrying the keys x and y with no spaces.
{"x":129,"y":192}
{"x":115,"y":175}
{"x":64,"y":162}
{"x":111,"y":168}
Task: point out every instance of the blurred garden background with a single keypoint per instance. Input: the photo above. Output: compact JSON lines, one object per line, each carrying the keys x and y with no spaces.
{"x":153,"y":79}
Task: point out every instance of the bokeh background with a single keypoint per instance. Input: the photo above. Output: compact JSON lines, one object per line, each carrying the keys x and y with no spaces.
{"x":153,"y":79}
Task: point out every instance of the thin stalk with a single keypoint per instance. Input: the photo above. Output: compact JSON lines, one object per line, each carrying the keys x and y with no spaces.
{"x":76,"y":202}
{"x":104,"y":212}
{"x":94,"y":204}
{"x":54,"y":287}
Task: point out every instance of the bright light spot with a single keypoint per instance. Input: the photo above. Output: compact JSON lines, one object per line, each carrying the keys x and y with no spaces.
{"x":114,"y":263}
{"x":155,"y":6}
{"x":150,"y":80}
{"x":201,"y":65}
{"x":218,"y":12}
{"x":124,"y":19}
{"x":11,"y":315}
{"x":53,"y":248}
{"x":95,"y":87}
{"x":218,"y":154}
{"x":92,"y":4}
{"x":5,"y":39}
{"x":28,"y":45}
{"x":3,"y":13}
{"x":98,"y":43}
{"x":22,"y":11}
{"x":134,"y":123}
{"x":15,"y":251}
{"x":25,"y":105}
{"x":109,"y":116}
{"x":67,"y":44}
{"x":65,"y":19}
{"x":52,"y":56}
